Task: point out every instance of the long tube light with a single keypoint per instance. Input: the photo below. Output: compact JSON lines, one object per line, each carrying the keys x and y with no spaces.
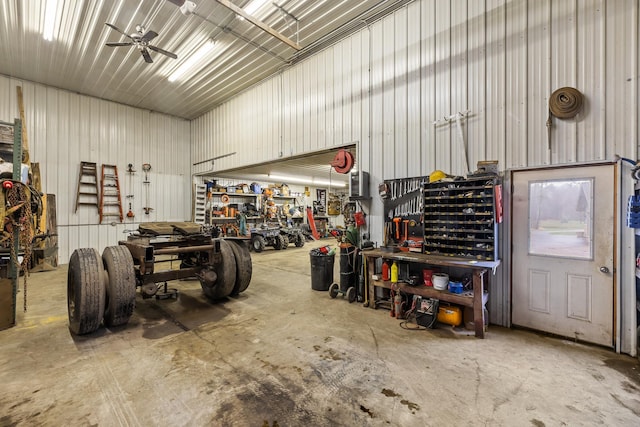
{"x":254,"y":5}
{"x":311,"y":181}
{"x":194,"y":63}
{"x":50,"y":13}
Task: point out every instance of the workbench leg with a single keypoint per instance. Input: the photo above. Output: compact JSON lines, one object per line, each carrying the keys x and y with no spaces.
{"x":478,"y":312}
{"x":371,"y":269}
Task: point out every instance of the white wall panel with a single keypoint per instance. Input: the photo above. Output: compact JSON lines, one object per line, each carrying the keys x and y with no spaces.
{"x":428,"y":86}
{"x":399,"y":83}
{"x":538,"y":81}
{"x":516,"y":83}
{"x":495,"y":83}
{"x":414,"y":86}
{"x":443,"y":85}
{"x":459,"y":79}
{"x":563,"y":73}
{"x":385,"y":85}
{"x":65,"y":129}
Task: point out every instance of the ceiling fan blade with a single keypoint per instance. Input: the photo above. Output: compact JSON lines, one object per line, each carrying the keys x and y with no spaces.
{"x":146,"y":56}
{"x":162,"y":51}
{"x":150,"y":35}
{"x":117,"y":29}
{"x":112,"y":44}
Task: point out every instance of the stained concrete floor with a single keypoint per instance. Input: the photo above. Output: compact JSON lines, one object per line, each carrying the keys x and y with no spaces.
{"x":284,"y":354}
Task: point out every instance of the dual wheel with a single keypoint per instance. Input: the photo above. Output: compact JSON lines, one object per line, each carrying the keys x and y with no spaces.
{"x":100,"y":288}
{"x":233,"y":273}
{"x":334,"y":290}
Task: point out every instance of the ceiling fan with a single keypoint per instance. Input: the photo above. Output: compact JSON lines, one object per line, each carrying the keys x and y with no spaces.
{"x":141,"y":40}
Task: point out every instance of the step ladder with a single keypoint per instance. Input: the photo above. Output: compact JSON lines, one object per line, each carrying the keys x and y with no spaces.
{"x":87,"y":192}
{"x":110,"y":200}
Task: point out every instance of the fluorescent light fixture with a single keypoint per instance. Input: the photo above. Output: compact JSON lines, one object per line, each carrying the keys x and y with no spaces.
{"x":50,"y":13}
{"x":193,"y":63}
{"x":254,"y":5}
{"x":309,"y":181}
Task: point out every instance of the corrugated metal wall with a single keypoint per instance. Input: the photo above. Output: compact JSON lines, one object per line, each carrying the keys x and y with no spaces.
{"x":65,"y":129}
{"x":385,"y":86}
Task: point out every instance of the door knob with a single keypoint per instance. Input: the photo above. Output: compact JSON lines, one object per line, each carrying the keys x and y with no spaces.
{"x":604,"y":269}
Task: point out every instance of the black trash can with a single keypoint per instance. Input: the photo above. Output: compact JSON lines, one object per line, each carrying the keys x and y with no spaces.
{"x":321,"y":270}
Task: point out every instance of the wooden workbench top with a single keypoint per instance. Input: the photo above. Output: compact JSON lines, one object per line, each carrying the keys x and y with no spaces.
{"x":432,"y":259}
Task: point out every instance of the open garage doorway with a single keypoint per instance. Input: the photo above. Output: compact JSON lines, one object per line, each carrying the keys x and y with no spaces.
{"x":311,"y":189}
{"x":310,"y":169}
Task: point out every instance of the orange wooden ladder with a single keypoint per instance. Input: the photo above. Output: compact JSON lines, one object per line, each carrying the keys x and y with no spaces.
{"x":110,"y":200}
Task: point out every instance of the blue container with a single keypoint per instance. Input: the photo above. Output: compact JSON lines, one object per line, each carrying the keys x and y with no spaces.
{"x":456,"y":287}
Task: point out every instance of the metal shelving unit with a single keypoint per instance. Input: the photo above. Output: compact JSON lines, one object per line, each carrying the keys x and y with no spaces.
{"x":460,"y":218}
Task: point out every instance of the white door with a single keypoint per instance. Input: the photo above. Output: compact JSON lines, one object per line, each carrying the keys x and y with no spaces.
{"x":563,"y":251}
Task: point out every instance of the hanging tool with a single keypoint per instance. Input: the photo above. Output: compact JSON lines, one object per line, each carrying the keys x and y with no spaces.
{"x":406,"y":229}
{"x":130,"y":172}
{"x":397,"y":221}
{"x":146,"y":167}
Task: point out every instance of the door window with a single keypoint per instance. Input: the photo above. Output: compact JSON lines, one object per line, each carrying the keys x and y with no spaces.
{"x":560,"y":218}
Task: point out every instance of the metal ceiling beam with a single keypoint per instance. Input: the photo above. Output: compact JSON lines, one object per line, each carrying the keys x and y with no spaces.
{"x":264,"y":27}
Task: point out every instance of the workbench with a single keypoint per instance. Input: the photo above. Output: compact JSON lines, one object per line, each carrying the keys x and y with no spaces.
{"x":479,"y":269}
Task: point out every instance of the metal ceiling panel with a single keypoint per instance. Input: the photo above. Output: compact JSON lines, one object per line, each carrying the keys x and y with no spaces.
{"x":78,"y":60}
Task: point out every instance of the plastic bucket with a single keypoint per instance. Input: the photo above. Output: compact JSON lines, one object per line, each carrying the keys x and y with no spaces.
{"x":440,"y":281}
{"x":321,"y":271}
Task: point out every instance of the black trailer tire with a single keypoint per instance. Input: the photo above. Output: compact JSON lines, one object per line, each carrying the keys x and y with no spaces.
{"x":258,"y":243}
{"x":300,"y":240}
{"x":226,"y":274}
{"x":244,"y":267}
{"x":121,"y":286}
{"x":85,"y":291}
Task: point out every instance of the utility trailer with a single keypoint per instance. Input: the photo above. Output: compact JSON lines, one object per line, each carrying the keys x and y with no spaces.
{"x":103,"y":289}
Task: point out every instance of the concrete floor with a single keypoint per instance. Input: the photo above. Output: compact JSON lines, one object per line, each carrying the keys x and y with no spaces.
{"x":284,"y":354}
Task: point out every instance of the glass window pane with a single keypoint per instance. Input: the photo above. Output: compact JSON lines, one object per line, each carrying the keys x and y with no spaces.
{"x":560,"y":220}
